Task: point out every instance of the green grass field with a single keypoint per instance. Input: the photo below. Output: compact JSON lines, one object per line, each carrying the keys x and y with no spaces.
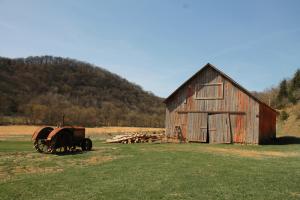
{"x":151,"y":171}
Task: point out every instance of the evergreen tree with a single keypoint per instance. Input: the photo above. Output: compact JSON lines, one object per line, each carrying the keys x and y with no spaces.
{"x":296,"y":80}
{"x":283,"y":90}
{"x":294,"y":92}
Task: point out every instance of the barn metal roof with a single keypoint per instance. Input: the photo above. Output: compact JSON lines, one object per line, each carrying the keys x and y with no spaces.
{"x":224,"y":75}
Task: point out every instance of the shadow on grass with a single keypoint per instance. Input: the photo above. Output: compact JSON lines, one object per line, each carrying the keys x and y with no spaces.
{"x":69,"y":153}
{"x":77,"y":151}
{"x":286,"y":140}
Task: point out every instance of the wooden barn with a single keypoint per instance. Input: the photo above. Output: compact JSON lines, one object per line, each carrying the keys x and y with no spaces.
{"x":211,"y":107}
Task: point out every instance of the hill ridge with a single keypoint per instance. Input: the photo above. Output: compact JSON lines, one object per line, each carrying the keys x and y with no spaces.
{"x":39,"y":89}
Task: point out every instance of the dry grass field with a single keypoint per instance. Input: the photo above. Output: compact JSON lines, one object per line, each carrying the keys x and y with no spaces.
{"x":291,"y":126}
{"x":23,"y":132}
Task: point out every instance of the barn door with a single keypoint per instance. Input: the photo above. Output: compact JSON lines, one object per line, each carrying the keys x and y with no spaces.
{"x":219,"y":128}
{"x":197,"y":127}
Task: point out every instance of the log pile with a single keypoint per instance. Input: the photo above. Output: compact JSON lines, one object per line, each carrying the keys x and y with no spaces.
{"x":137,"y":138}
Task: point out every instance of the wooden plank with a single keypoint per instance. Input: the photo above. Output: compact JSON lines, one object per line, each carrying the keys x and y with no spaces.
{"x":208,"y":98}
{"x":213,"y":112}
{"x":211,"y":84}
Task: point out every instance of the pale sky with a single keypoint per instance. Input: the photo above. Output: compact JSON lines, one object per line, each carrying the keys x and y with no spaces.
{"x":158,"y":44}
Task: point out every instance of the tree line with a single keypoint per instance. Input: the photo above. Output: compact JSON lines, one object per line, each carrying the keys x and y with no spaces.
{"x":285,"y":94}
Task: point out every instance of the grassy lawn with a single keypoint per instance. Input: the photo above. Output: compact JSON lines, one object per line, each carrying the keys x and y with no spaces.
{"x":151,"y":171}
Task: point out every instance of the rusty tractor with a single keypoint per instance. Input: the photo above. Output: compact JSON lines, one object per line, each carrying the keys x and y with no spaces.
{"x":61,"y":139}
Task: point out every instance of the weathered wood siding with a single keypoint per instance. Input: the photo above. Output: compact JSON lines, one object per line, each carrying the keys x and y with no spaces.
{"x":220,"y":95}
{"x":267,"y":124}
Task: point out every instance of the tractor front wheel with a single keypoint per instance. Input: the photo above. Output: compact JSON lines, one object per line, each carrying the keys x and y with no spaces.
{"x":86,"y":144}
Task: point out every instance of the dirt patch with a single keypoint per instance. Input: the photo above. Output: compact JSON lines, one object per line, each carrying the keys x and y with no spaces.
{"x":14,"y":164}
{"x":251,"y":153}
{"x":93,"y":160}
{"x":12,"y":173}
{"x":33,"y":170}
{"x":175,"y":195}
{"x":225,"y":151}
{"x":295,"y":194}
{"x":3,"y":174}
{"x":20,"y":157}
{"x":97,"y":160}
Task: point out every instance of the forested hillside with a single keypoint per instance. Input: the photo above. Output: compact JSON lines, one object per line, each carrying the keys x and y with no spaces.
{"x":39,"y":90}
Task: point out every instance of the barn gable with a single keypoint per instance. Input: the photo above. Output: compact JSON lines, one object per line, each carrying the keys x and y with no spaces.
{"x":211,"y":107}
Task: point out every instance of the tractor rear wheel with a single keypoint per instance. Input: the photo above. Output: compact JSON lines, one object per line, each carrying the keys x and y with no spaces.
{"x":86,"y":144}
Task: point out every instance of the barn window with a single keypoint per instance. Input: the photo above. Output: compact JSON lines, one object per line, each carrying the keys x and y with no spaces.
{"x":210,"y":91}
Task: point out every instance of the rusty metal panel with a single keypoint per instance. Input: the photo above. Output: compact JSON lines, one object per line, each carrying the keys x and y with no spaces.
{"x":79,"y":132}
{"x":249,"y":123}
{"x":197,"y":127}
{"x":267,"y":124}
{"x":237,"y":123}
{"x":42,"y":133}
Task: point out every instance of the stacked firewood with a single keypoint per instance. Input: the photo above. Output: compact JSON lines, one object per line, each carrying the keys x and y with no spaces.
{"x":137,"y":138}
